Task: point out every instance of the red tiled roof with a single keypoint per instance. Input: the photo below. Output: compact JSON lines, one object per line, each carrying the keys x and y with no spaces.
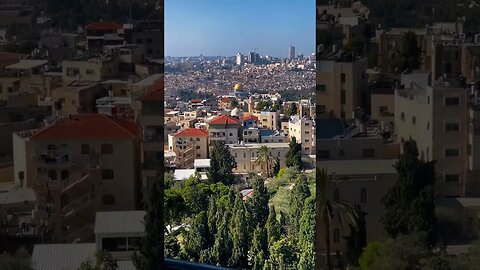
{"x":223,"y":120}
{"x":89,"y":126}
{"x":250,"y":117}
{"x":102,"y":26}
{"x":196,"y":100}
{"x":226,"y":99}
{"x":192,"y":132}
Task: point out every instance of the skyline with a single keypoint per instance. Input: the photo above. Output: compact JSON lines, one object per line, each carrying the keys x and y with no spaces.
{"x":210,"y":26}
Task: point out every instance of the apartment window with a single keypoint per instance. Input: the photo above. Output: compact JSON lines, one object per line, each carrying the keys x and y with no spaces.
{"x":72,"y":71}
{"x":321,"y":87}
{"x":368,"y":153}
{"x":336,"y":236}
{"x":52,"y":175}
{"x":108,"y":199}
{"x":244,"y":155}
{"x":414,"y":120}
{"x":107,"y":149}
{"x":342,"y":96}
{"x":231,"y":134}
{"x":342,"y":77}
{"x":452,"y":101}
{"x":64,"y":174}
{"x":452,"y":127}
{"x":90,"y":71}
{"x":323,"y":153}
{"x":453,"y":152}
{"x":452,"y":178}
{"x":469,"y":149}
{"x":197,"y":139}
{"x":198,"y":155}
{"x":336,"y":195}
{"x":107,"y":174}
{"x":114,"y":244}
{"x":21,"y":175}
{"x":198,"y":147}
{"x":85,"y":149}
{"x":382,"y":109}
{"x":139,"y":41}
{"x":428,"y":125}
{"x":402,"y":116}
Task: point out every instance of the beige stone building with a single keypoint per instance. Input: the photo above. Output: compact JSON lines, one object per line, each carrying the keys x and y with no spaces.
{"x":246,"y":155}
{"x":224,"y":128}
{"x":436,"y":117}
{"x":340,"y":86}
{"x":303,"y":131}
{"x":189,"y":144}
{"x":365,"y":182}
{"x":94,"y":69}
{"x":268,"y":120}
{"x":79,"y":169}
{"x":78,"y":97}
{"x":151,"y":119}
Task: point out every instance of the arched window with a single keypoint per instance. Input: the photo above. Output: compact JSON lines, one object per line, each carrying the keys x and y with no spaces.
{"x":336,"y":195}
{"x":85,"y":149}
{"x":64,"y":200}
{"x":336,"y":235}
{"x":108,"y":199}
{"x":107,"y":174}
{"x":52,"y":175}
{"x":363,"y":195}
{"x":107,"y":149}
{"x":64,"y":174}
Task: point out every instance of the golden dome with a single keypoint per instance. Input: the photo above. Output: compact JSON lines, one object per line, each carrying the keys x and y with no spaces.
{"x":237,"y":87}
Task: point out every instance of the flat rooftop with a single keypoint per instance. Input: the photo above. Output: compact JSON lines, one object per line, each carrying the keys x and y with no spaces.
{"x":26,"y":64}
{"x":119,"y":222}
{"x":359,"y":166}
{"x":62,"y":256}
{"x":258,"y":145}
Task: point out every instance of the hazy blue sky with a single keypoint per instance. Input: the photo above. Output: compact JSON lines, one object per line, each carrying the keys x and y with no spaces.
{"x":226,"y":27}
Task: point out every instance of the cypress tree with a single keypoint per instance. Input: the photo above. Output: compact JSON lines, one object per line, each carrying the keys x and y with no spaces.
{"x":198,"y":236}
{"x":273,"y":227}
{"x":240,"y":242}
{"x":221,"y":164}
{"x":259,"y":247}
{"x":223,"y":243}
{"x":258,"y":202}
{"x":307,"y":236}
{"x":300,"y":193}
{"x":410,"y":202}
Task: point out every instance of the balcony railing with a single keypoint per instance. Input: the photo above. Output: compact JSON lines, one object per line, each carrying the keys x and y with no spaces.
{"x":75,"y":179}
{"x":53,"y":160}
{"x":78,"y":204}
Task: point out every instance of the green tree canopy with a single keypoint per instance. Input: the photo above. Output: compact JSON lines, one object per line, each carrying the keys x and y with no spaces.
{"x":222,"y":164}
{"x":293,"y":158}
{"x":410,"y":202}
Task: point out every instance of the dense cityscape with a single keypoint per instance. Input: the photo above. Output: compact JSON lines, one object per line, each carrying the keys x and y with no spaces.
{"x":361,"y":155}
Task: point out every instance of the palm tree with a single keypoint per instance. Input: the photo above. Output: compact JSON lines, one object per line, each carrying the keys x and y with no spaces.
{"x":265,"y":157}
{"x":330,"y":208}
